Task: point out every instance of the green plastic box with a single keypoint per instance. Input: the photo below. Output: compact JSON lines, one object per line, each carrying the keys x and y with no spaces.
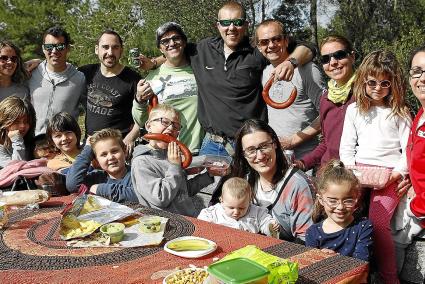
{"x":238,"y":271}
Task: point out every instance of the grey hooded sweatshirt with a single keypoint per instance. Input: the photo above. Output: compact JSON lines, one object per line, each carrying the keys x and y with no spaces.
{"x":53,"y":92}
{"x":163,"y":185}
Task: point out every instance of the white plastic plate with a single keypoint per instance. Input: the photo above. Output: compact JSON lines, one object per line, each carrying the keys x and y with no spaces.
{"x":191,"y":254}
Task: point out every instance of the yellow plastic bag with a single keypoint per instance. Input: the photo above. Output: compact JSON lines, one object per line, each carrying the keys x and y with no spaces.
{"x":282,"y":271}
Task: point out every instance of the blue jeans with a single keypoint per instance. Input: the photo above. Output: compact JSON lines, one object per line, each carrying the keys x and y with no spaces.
{"x":210,"y":147}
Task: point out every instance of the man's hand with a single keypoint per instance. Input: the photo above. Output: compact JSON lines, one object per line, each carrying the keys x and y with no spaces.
{"x":144,"y":91}
{"x":299,"y":164}
{"x":283,"y":71}
{"x":93,"y":188}
{"x":146,"y":63}
{"x":174,"y":155}
{"x":130,"y":138}
{"x":31,"y":64}
{"x":286,"y":142}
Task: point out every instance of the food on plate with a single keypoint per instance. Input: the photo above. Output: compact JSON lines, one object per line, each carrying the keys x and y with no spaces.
{"x":168,"y":139}
{"x":150,"y":224}
{"x":114,"y":230}
{"x":189,"y":275}
{"x":190,"y":245}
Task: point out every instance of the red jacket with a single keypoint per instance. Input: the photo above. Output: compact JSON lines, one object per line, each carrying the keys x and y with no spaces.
{"x":416,"y":162}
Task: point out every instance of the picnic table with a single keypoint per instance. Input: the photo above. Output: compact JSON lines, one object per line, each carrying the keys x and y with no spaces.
{"x":31,"y":251}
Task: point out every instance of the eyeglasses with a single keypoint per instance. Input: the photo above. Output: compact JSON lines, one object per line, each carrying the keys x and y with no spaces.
{"x":50,"y":46}
{"x":266,"y":41}
{"x":166,"y":122}
{"x":338,"y":55}
{"x":235,"y":22}
{"x":175,"y":39}
{"x":333,"y":203}
{"x":5,"y":58}
{"x":251,"y":152}
{"x":385,"y":84}
{"x":416,"y":72}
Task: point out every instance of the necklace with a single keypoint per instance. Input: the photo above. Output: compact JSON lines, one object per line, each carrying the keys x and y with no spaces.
{"x":268,"y":186}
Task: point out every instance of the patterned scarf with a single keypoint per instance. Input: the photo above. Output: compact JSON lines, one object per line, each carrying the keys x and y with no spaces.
{"x":338,"y":94}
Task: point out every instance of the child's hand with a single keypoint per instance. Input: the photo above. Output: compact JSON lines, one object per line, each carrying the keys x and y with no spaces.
{"x":88,"y":140}
{"x":13,"y":133}
{"x":403,"y":183}
{"x":174,"y":155}
{"x":275,"y":225}
{"x":328,"y":251}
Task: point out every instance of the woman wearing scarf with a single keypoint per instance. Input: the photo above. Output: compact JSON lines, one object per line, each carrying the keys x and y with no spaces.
{"x":337,"y":57}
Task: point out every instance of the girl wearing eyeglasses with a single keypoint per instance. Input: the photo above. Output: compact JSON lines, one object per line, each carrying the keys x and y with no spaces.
{"x":335,"y":228}
{"x":12,"y":72}
{"x":337,"y":58}
{"x":375,"y":132}
{"x":285,"y":191}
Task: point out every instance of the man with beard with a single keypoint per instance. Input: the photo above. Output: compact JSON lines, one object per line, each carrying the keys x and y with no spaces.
{"x":55,"y":85}
{"x":111,"y":87}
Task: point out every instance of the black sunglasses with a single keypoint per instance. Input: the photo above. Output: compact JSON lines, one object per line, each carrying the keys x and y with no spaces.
{"x":338,"y":55}
{"x":6,"y":58}
{"x":235,"y":22}
{"x":266,"y":41}
{"x":166,"y":41}
{"x":50,"y":46}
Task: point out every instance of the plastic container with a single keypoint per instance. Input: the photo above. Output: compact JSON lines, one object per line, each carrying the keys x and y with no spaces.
{"x":114,"y":230}
{"x":217,"y":165}
{"x":238,"y":271}
{"x":150,"y":224}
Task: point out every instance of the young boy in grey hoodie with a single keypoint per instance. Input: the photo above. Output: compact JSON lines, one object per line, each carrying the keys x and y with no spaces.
{"x":156,"y":172}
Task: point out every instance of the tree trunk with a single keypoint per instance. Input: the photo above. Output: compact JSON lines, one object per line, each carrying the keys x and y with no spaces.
{"x":263,"y":10}
{"x":313,"y":21}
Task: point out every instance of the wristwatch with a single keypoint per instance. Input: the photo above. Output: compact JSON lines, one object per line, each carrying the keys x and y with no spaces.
{"x":293,"y":61}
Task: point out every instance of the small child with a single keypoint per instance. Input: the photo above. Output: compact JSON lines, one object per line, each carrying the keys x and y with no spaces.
{"x":158,"y":177}
{"x":236,"y":210}
{"x":43,"y":148}
{"x":17,"y":123}
{"x":336,"y":201}
{"x":113,"y":181}
{"x":64,"y":132}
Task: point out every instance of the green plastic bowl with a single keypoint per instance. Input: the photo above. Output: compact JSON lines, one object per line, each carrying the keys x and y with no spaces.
{"x":114,"y":230}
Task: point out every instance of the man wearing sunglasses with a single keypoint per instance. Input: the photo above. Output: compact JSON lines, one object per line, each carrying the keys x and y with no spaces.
{"x":111,"y":87}
{"x":228,"y":73}
{"x":298,"y":125}
{"x":55,"y":85}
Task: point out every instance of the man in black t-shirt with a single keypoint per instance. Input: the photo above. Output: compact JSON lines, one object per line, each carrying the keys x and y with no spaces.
{"x":111,"y":87}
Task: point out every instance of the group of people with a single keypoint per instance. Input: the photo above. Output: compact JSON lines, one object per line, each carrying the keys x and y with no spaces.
{"x":209,"y":97}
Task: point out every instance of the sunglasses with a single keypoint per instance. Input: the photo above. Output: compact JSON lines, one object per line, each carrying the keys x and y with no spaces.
{"x":266,"y":41}
{"x":175,"y":39}
{"x":50,"y":46}
{"x":338,"y":55}
{"x":5,"y":58}
{"x":235,"y":22}
{"x":416,"y":72}
{"x":384,"y":84}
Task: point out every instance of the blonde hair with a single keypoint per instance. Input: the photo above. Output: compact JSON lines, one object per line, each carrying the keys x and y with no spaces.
{"x":339,"y":39}
{"x":333,"y":172}
{"x":378,"y":63}
{"x":163,"y":108}
{"x":11,"y":109}
{"x":237,"y":187}
{"x":233,"y":5}
{"x":107,"y":133}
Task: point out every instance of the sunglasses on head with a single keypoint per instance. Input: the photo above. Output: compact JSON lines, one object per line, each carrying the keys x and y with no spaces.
{"x":5,"y":58}
{"x":166,"y":41}
{"x":235,"y":22}
{"x":266,"y":41}
{"x":385,"y":84}
{"x":50,"y":46}
{"x":338,"y":55}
